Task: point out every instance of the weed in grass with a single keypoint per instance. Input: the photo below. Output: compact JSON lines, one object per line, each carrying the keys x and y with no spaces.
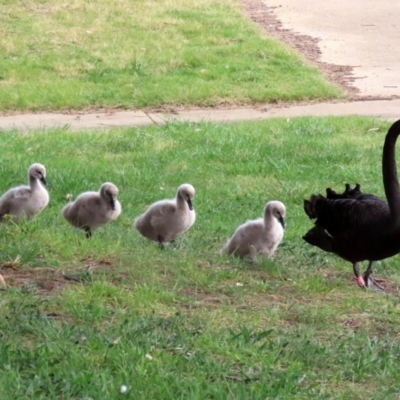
{"x":186,"y":322}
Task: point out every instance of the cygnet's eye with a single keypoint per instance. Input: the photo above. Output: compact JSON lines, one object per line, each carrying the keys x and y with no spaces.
{"x":39,"y":172}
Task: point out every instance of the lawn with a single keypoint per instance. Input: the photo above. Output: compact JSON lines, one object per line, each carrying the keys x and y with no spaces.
{"x":81,"y":318}
{"x":59,"y":55}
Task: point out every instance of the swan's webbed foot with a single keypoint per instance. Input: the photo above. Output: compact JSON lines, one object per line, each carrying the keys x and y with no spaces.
{"x":359,"y":278}
{"x":370,"y":282}
{"x":365,"y":280}
{"x":373,"y":284}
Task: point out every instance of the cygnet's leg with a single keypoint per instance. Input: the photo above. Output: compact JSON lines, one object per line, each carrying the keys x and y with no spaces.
{"x":160,"y":241}
{"x":359,"y":277}
{"x":369,"y":281}
{"x":88,"y":232}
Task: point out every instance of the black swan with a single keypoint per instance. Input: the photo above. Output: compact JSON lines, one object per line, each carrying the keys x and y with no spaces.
{"x":358,"y":226}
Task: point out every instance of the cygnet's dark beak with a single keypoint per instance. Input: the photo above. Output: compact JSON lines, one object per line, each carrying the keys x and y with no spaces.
{"x":190,"y":204}
{"x":43,"y":180}
{"x":282,"y":221}
{"x":112,"y":203}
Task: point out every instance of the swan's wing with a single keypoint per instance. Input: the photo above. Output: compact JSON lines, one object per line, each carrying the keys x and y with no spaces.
{"x":21,"y":193}
{"x":12,"y":197}
{"x":81,"y":211}
{"x":161,"y":213}
{"x":345,"y":215}
{"x":91,"y":205}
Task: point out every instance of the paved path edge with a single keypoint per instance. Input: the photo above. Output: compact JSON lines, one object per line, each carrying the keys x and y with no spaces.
{"x":387,"y":109}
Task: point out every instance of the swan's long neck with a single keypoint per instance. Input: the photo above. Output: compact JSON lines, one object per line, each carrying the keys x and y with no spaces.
{"x":181,"y":202}
{"x":389,"y":171}
{"x":33,"y":182}
{"x":268,"y":219}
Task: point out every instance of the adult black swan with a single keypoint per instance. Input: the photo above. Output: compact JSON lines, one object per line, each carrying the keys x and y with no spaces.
{"x":358,"y":226}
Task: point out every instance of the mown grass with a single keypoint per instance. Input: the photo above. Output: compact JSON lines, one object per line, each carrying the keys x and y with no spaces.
{"x":57,"y":55}
{"x":186,"y":322}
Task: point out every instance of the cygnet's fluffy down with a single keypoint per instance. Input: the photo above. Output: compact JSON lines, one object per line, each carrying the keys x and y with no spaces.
{"x":260,"y":236}
{"x":26,"y":200}
{"x":165,"y":220}
{"x":91,"y":210}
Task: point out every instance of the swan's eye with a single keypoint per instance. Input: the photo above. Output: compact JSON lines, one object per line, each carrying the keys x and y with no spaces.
{"x":38,"y":172}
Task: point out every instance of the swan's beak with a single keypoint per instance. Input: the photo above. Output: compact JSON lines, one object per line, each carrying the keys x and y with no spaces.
{"x":190,"y":204}
{"x":43,"y":180}
{"x":282,"y":222}
{"x":112,"y":203}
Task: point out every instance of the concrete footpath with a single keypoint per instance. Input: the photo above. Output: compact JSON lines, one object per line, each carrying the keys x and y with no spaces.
{"x":388,"y":109}
{"x":363,"y":34}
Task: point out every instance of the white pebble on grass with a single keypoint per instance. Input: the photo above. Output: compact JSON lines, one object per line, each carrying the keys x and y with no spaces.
{"x":123,"y":389}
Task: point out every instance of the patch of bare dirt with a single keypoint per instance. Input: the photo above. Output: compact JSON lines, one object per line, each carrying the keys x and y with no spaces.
{"x":43,"y":280}
{"x":40,"y":280}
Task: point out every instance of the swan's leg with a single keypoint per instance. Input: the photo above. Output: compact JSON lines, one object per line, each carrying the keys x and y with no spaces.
{"x":88,"y":232}
{"x":359,"y":277}
{"x":160,"y":241}
{"x":369,"y":281}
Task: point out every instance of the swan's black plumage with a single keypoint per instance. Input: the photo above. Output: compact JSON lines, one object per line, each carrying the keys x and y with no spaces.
{"x":358,"y":226}
{"x":350,"y":193}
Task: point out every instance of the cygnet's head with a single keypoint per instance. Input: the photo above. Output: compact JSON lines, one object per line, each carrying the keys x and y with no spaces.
{"x":187,"y":192}
{"x":38,"y":171}
{"x":110,"y":192}
{"x":278,"y":210}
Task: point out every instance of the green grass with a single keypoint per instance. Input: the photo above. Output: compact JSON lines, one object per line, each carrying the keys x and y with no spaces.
{"x":186,"y":323}
{"x":58,"y":55}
